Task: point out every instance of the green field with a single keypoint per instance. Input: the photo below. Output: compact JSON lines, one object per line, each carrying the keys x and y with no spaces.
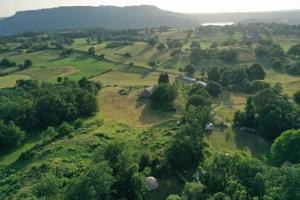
{"x":10,"y":80}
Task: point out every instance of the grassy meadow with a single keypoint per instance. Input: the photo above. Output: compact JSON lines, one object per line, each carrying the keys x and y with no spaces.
{"x":116,"y":74}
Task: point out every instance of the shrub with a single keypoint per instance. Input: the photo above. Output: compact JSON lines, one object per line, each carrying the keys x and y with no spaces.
{"x":286,"y":147}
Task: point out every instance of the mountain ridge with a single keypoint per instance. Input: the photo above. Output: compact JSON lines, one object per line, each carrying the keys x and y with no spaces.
{"x":128,"y":17}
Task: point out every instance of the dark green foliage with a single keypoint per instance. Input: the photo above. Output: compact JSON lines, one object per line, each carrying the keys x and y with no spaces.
{"x":197,"y":90}
{"x":32,"y":105}
{"x":186,"y":149}
{"x":278,"y":65}
{"x":91,"y":51}
{"x":194,"y":191}
{"x":228,"y":56}
{"x":225,"y":78}
{"x":234,"y":175}
{"x":96,"y":183}
{"x":27,"y":63}
{"x":161,"y":47}
{"x":64,"y":129}
{"x":163,"y":96}
{"x":294,"y":50}
{"x":272,"y":111}
{"x":195,"y":45}
{"x":190,"y":69}
{"x":286,"y":147}
{"x":163,"y":78}
{"x":297,"y":97}
{"x":283,"y":183}
{"x":153,"y":41}
{"x":129,"y":183}
{"x":262,"y":52}
{"x":214,"y":74}
{"x":91,"y":86}
{"x":256,"y":72}
{"x":66,"y":52}
{"x":7,"y":63}
{"x":198,"y":100}
{"x":256,"y":86}
{"x":293,"y":69}
{"x":214,"y":89}
{"x":48,"y":186}
{"x":127,"y":55}
{"x":10,"y":135}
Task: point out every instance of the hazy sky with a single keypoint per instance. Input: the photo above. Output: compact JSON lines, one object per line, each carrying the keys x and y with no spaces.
{"x":9,"y":7}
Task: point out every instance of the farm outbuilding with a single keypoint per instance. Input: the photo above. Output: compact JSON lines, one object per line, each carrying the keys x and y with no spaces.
{"x":189,"y":79}
{"x":201,"y":83}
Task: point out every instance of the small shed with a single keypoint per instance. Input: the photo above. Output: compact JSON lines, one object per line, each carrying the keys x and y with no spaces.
{"x":201,"y":83}
{"x":147,"y":92}
{"x":151,"y":183}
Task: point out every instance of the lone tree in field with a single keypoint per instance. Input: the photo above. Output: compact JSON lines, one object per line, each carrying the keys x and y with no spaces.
{"x":161,"y":47}
{"x":190,"y":69}
{"x":214,"y":89}
{"x":92,"y":51}
{"x":163,"y":78}
{"x":27,"y":63}
{"x":256,"y":72}
{"x":163,"y":96}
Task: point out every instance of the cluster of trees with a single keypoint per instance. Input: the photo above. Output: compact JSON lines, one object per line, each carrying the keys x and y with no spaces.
{"x":226,"y":55}
{"x":224,"y":176}
{"x":269,"y":50}
{"x":31,"y":105}
{"x":5,"y":63}
{"x":115,"y":174}
{"x":247,"y":79}
{"x":269,"y":112}
{"x":164,"y":94}
{"x":186,"y":150}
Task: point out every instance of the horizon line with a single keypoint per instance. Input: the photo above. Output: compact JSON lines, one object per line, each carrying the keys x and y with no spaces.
{"x":137,"y":5}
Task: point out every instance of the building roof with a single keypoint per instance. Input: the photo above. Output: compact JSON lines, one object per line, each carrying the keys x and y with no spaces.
{"x":189,"y":79}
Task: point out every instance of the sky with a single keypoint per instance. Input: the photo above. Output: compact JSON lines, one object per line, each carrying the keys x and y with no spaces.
{"x":9,"y":7}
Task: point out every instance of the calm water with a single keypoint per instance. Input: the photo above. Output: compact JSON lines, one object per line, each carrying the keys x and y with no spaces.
{"x":218,"y":24}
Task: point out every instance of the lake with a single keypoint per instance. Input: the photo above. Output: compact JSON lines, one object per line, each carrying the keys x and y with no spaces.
{"x":217,"y":24}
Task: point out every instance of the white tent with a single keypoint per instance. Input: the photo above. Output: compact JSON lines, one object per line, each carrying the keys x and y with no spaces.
{"x":151,"y":183}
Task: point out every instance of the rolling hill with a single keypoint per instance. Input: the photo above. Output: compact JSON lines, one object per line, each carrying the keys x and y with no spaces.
{"x":108,"y":17}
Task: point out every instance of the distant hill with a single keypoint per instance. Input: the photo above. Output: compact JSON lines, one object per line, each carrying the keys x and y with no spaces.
{"x":287,"y":17}
{"x":130,"y":17}
{"x":109,"y":17}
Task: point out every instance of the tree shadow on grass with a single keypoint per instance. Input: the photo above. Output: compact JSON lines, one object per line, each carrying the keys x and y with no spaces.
{"x":150,"y":115}
{"x":257,"y":146}
{"x":145,"y":50}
